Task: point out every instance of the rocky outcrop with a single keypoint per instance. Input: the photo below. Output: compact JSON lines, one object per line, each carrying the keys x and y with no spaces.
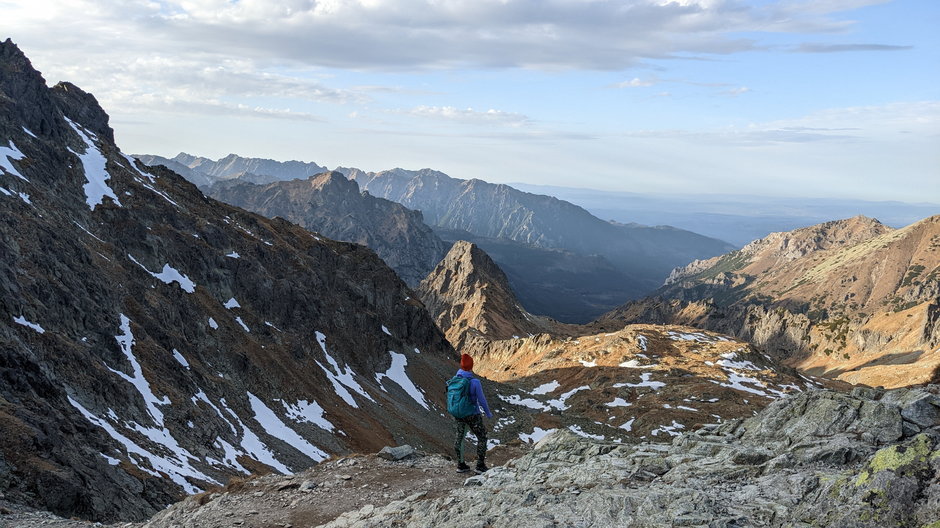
{"x":556,"y":283}
{"x":469,"y":296}
{"x":330,"y":204}
{"x":155,"y":342}
{"x":850,"y":299}
{"x":819,"y":458}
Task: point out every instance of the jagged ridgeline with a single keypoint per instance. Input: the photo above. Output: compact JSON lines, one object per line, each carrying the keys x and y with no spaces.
{"x":155,"y":342}
{"x":333,"y":205}
{"x":849,"y":299}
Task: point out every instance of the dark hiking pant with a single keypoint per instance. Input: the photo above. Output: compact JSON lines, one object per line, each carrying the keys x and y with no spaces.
{"x":475,"y":423}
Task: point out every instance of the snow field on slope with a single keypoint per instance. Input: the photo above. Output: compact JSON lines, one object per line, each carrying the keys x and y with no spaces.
{"x":273,"y":426}
{"x":169,"y":275}
{"x":645,"y":381}
{"x":340,"y":378}
{"x":93,"y":163}
{"x":396,"y":372}
{"x":304,"y":411}
{"x":21,"y":320}
{"x":11,"y":153}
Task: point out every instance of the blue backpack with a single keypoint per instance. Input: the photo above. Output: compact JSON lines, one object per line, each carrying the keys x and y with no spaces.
{"x":458,"y":398}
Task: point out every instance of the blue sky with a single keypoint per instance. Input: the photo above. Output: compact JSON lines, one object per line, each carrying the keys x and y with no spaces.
{"x":824,"y":98}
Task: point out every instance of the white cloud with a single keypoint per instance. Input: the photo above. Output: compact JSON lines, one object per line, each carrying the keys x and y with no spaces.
{"x":636,"y":82}
{"x":409,"y":34}
{"x":469,"y":115}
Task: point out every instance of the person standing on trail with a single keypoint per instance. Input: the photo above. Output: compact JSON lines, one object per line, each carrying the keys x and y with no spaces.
{"x":465,"y":400}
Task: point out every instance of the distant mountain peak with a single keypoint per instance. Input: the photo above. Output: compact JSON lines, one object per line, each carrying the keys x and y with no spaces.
{"x":469,"y":295}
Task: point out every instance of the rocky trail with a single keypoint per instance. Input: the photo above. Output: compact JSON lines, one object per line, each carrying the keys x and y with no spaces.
{"x":356,"y":483}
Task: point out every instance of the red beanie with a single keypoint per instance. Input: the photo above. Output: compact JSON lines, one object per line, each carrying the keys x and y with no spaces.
{"x":466,"y":362}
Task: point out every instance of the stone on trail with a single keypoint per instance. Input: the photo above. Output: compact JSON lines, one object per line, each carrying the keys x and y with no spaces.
{"x":397,"y":453}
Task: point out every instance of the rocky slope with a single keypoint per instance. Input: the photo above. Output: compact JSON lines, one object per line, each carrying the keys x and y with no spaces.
{"x":467,"y":294}
{"x":851,"y":299}
{"x":821,"y":458}
{"x":155,"y":342}
{"x":645,"y":254}
{"x":330,"y":204}
{"x":637,"y":381}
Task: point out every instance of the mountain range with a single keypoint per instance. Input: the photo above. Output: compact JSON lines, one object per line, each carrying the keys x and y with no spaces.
{"x":562,"y":261}
{"x":849,"y":299}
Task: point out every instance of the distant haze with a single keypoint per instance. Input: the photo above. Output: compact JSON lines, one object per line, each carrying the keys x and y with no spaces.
{"x":737,"y":219}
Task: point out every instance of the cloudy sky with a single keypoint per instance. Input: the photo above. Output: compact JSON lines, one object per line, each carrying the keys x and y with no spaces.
{"x":836,"y":98}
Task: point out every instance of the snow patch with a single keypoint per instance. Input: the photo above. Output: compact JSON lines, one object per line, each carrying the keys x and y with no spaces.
{"x":386,"y":330}
{"x":644,"y":382}
{"x":278,"y":429}
{"x":531,"y":403}
{"x":179,"y":357}
{"x":232,"y":303}
{"x":233,"y":254}
{"x":671,"y":430}
{"x":214,"y":325}
{"x":254,"y":446}
{"x":21,"y":320}
{"x":169,"y":275}
{"x":137,"y":379}
{"x":578,"y":431}
{"x":628,"y":425}
{"x":242,"y":323}
{"x":618,"y":402}
{"x":537,"y":434}
{"x":304,"y":411}
{"x":545,"y":388}
{"x":340,"y":378}
{"x":93,"y":164}
{"x":727,"y":361}
{"x":396,"y":372}
{"x":111,"y":460}
{"x":7,"y":156}
{"x":588,"y":363}
{"x":560,"y":402}
{"x":176,"y":466}
{"x":633,"y":363}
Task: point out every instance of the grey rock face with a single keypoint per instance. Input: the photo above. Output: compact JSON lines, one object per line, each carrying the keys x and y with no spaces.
{"x":815,"y":459}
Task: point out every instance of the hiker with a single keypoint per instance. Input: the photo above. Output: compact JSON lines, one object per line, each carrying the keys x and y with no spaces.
{"x":464,"y":401}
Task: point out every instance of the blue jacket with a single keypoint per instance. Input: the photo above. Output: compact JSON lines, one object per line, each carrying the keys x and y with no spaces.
{"x":476,"y":392}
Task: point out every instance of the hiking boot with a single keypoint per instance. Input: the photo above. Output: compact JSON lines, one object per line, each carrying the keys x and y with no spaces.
{"x":481,"y":468}
{"x":462,"y":468}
